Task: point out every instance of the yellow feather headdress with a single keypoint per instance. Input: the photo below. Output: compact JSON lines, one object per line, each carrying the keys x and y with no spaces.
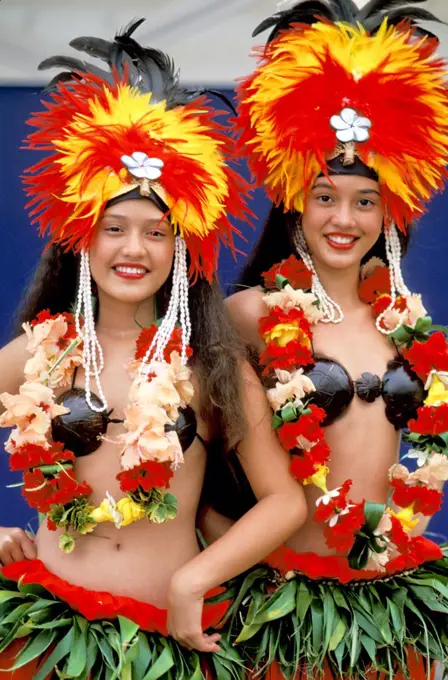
{"x":335,"y":89}
{"x":111,"y":132}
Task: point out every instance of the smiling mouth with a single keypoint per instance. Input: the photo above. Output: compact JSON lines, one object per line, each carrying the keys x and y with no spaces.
{"x":130,"y":271}
{"x":341,"y":241}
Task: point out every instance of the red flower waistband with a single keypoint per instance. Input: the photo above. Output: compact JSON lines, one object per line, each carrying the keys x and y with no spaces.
{"x":94,"y":605}
{"x":331,"y":566}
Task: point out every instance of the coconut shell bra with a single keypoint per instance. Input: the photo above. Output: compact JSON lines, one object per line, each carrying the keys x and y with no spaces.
{"x":81,"y":430}
{"x":401,"y":390}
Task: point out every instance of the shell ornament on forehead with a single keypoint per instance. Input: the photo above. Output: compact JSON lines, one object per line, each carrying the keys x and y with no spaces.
{"x":127,"y":130}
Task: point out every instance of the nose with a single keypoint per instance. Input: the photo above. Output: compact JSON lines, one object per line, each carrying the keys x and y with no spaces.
{"x":343,"y":216}
{"x":134,"y":245}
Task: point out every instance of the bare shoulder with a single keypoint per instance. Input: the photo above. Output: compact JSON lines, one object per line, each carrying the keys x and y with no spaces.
{"x":246,"y":308}
{"x":13,"y":358}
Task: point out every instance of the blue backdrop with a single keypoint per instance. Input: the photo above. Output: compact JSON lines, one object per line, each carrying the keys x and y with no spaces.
{"x":424,"y":267}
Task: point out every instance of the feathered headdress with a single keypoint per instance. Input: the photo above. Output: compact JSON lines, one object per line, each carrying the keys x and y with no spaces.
{"x":131,"y":126}
{"x":336,"y":81}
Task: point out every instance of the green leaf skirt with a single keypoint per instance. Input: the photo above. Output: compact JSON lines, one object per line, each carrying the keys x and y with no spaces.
{"x":42,"y":636}
{"x":291,"y":626}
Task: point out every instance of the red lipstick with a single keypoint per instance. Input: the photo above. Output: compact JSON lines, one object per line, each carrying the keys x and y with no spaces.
{"x":340,"y":241}
{"x":130,"y":270}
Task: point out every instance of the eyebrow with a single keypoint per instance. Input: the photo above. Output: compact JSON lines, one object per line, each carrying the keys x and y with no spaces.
{"x":152,"y":220}
{"x":327,"y":185}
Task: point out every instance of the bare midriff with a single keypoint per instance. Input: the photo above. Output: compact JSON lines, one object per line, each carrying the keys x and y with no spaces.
{"x":364,"y":444}
{"x":138,"y":560}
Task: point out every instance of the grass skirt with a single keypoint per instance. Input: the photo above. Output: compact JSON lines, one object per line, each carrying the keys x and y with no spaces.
{"x":293,"y":624}
{"x":50,"y":628}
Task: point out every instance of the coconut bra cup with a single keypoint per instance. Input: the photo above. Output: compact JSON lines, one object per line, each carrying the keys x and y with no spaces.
{"x":401,"y":390}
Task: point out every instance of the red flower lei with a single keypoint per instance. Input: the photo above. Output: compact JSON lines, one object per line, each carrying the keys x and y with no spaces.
{"x":359,"y":529}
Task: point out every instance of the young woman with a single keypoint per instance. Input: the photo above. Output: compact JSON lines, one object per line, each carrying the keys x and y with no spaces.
{"x":114,"y":406}
{"x":346,"y":125}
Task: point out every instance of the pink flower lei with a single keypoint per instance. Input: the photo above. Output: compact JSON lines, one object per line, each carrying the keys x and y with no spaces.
{"x":150,"y":451}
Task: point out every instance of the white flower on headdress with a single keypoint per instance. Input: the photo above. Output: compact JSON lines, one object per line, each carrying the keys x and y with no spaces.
{"x":143,"y":167}
{"x":350,"y":127}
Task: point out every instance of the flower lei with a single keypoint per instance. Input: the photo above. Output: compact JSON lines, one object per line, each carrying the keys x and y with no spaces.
{"x":150,"y":446}
{"x":372,"y":534}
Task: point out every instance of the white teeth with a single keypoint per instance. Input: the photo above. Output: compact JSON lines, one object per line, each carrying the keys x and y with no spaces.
{"x":130,"y":270}
{"x":341,"y":239}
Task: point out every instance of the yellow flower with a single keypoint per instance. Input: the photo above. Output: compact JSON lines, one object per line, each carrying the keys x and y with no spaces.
{"x":102,"y":513}
{"x":122,"y":513}
{"x":437,"y":393}
{"x":130,"y":510}
{"x":406,"y":518}
{"x":66,"y":543}
{"x":319,"y":478}
{"x":283,"y":333}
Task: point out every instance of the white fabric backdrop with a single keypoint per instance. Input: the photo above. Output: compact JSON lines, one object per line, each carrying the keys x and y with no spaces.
{"x":210,"y":39}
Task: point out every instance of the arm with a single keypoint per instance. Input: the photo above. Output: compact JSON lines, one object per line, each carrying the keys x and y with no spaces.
{"x":213,"y":524}
{"x":245,"y":309}
{"x":13,"y":358}
{"x":280,"y":511}
{"x":15,"y":544}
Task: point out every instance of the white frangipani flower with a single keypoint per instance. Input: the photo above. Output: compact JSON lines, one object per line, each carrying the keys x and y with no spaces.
{"x":334,"y":518}
{"x":140,"y":165}
{"x":114,"y":511}
{"x":420,"y":457}
{"x":327,"y":497}
{"x":350,"y":127}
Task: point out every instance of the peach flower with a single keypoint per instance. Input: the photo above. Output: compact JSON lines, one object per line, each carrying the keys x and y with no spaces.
{"x":45,"y":342}
{"x":369,"y":267}
{"x":434,"y":472}
{"x":146,"y":438}
{"x":290,"y":386}
{"x":289,"y":297}
{"x":47,"y":335}
{"x":392,"y":318}
{"x":30,"y":412}
{"x":415,"y":309}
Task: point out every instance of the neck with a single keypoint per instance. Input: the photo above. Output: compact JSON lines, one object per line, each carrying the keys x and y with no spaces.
{"x":341,"y":285}
{"x":121,"y":319}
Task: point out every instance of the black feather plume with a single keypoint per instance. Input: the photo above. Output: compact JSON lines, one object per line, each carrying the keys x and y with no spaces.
{"x":374,"y":6}
{"x":94,"y":47}
{"x":147,"y":69}
{"x":411,"y":14}
{"x":370,"y":16}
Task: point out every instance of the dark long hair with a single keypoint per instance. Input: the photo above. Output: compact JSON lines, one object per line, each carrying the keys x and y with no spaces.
{"x":216,"y":349}
{"x":276,"y":244}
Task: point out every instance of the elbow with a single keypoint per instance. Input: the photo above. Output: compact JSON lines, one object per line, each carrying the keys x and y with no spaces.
{"x":294,"y":511}
{"x":301,"y":511}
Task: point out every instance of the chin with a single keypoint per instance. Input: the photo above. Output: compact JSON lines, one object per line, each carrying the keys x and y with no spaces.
{"x":342,"y":261}
{"x":129,"y":294}
{"x":332,"y":259}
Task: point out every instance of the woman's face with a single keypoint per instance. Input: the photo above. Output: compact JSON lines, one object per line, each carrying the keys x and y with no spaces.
{"x":342,"y":219}
{"x":132,"y":252}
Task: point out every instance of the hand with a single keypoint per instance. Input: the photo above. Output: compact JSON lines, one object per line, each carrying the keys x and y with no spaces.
{"x":185,"y":617}
{"x":15,"y":545}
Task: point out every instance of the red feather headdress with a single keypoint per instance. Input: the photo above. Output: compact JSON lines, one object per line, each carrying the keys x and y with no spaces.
{"x":106,"y":135}
{"x":334,"y":88}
